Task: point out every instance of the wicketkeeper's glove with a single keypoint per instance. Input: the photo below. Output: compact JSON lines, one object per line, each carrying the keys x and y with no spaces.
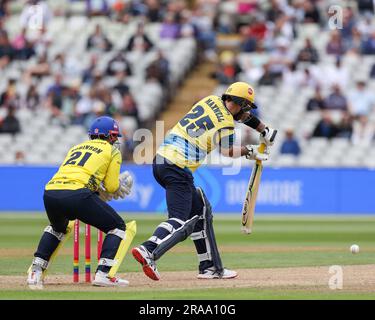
{"x":268,"y":136}
{"x":126,"y":183}
{"x":254,"y":154}
{"x":104,"y":195}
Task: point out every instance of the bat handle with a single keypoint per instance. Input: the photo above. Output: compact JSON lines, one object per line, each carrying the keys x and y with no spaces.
{"x":262,"y":147}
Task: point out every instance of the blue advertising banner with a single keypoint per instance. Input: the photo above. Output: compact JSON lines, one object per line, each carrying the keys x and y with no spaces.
{"x":286,"y":190}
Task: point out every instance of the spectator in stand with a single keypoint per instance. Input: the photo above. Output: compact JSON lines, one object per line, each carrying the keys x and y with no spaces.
{"x":316,"y":102}
{"x":254,"y":66}
{"x":308,"y":79}
{"x":363,"y":131}
{"x":97,"y":8}
{"x":308,"y":53}
{"x":283,"y":29}
{"x":119,"y":10}
{"x":98,"y":110}
{"x":368,"y":44}
{"x":6,"y":50}
{"x":187,"y":29}
{"x":372,"y":72}
{"x":129,"y":107}
{"x":10,"y":124}
{"x":84,"y":107}
{"x":159,"y":69}
{"x":325,"y":128}
{"x":105,"y":96}
{"x":40,"y":69}
{"x":365,"y":6}
{"x":121,"y":87}
{"x":98,"y":41}
{"x":274,"y":11}
{"x":254,"y":33}
{"x":4,"y":8}
{"x":139,"y":41}
{"x":23,"y":48}
{"x":345,"y":126}
{"x":336,"y":74}
{"x":361,"y":100}
{"x":10,"y":97}
{"x":258,"y":28}
{"x":228,"y":68}
{"x":281,"y":57}
{"x":137,"y":8}
{"x":336,"y":100}
{"x":348,"y":24}
{"x":248,"y":42}
{"x":88,"y":74}
{"x":19,"y":158}
{"x":354,"y":44}
{"x":55,"y":95}
{"x":292,"y":78}
{"x":335,"y":44}
{"x":117,"y":64}
{"x":170,"y":29}
{"x":365,"y":26}
{"x":154,"y":11}
{"x":67,"y":65}
{"x":290,"y":145}
{"x":311,"y":12}
{"x":205,"y":33}
{"x":267,"y":78}
{"x":70,"y":98}
{"x":32,"y":99}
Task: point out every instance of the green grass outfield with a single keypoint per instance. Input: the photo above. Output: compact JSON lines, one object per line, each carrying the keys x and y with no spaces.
{"x":277,"y":241}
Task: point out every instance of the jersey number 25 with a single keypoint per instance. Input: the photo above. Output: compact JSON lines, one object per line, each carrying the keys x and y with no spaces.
{"x":198,"y":127}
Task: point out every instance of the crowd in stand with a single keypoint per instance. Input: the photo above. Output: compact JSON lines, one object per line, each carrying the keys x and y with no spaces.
{"x":65,"y":99}
{"x":267,"y":30}
{"x":268,"y":33}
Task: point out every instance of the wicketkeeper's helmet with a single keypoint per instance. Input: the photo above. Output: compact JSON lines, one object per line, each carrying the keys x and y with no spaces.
{"x":105,"y":127}
{"x":242,"y":94}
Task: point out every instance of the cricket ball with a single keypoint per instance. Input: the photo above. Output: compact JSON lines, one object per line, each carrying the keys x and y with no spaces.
{"x":354,"y":249}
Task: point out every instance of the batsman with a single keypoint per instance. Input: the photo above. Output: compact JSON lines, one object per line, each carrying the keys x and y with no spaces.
{"x":209,"y":124}
{"x":86,"y":180}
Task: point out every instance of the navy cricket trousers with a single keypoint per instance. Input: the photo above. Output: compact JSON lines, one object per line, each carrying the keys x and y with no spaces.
{"x":183,"y":201}
{"x":83,"y":204}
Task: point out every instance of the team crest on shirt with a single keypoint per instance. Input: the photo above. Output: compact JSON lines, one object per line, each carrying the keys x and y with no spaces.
{"x":250,"y":91}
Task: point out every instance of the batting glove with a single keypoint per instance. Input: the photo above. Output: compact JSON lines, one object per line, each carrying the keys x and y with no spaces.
{"x":254,"y":154}
{"x":268,"y":136}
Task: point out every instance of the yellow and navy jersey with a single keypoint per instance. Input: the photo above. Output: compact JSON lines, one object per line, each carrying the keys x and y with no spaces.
{"x":207,"y":125}
{"x":87,"y":165}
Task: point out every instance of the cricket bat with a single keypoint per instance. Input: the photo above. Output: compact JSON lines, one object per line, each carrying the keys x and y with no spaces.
{"x":251,"y":195}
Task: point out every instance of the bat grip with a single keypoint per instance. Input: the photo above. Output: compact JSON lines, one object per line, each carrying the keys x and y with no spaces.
{"x":262,"y":148}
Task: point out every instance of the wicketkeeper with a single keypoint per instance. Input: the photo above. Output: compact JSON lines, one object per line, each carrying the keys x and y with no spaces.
{"x":209,"y":124}
{"x":88,"y":177}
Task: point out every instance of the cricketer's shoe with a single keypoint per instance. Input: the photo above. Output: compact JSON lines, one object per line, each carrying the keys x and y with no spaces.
{"x":211,"y":273}
{"x":103,"y":280}
{"x":143,"y":256}
{"x":35,"y":278}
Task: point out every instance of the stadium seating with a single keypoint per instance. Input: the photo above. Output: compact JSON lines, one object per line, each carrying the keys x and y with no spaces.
{"x":69,"y":35}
